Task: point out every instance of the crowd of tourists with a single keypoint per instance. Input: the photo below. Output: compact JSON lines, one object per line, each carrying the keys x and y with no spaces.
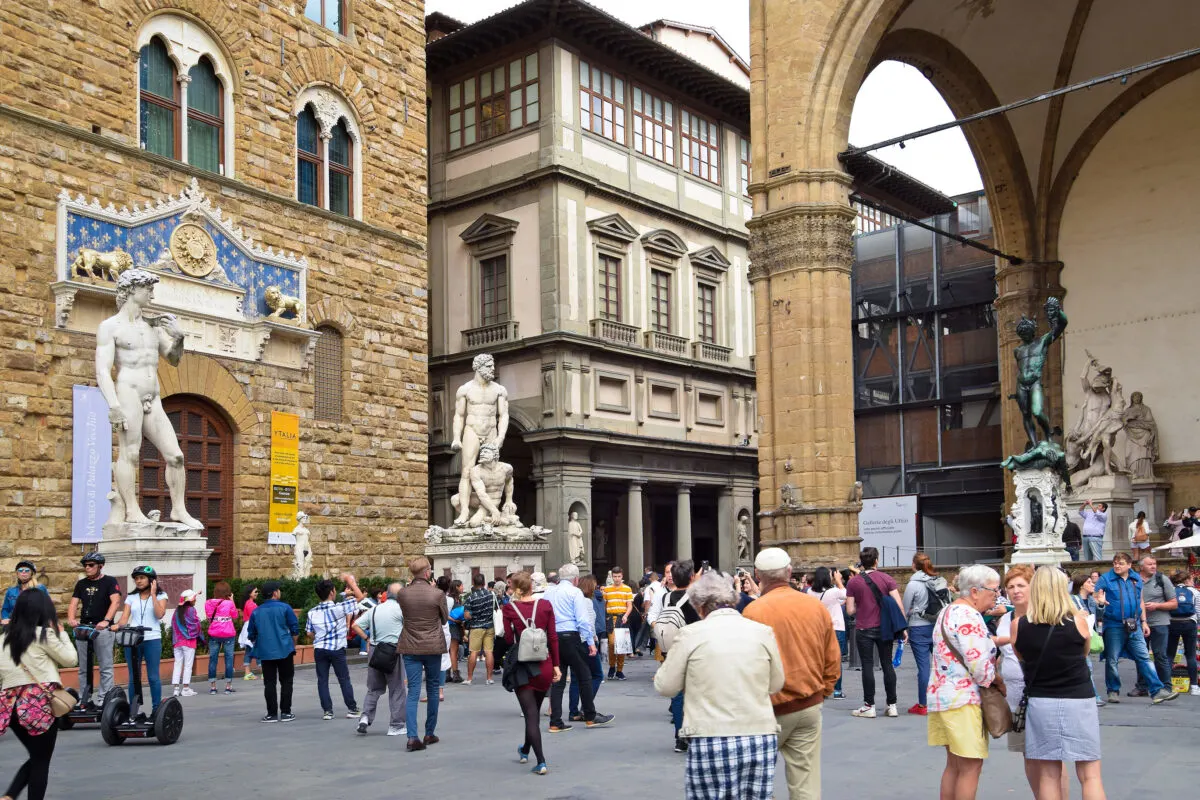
{"x":746,"y":661}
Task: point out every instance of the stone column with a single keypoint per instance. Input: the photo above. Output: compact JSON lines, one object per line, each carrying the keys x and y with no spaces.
{"x":726,"y":527}
{"x":635,"y":546}
{"x":683,"y":521}
{"x":801,"y":256}
{"x":184,"y":81}
{"x":1022,"y":289}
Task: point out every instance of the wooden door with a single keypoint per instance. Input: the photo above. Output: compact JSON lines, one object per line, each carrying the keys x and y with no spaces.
{"x":207,"y":444}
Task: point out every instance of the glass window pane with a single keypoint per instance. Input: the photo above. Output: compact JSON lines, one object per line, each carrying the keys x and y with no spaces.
{"x":306,"y":179}
{"x":637,"y":99}
{"x":485,"y":84}
{"x":596,"y":79}
{"x":455,"y":140}
{"x":531,"y":93}
{"x":619,"y":90}
{"x":469,"y":117}
{"x":339,"y":193}
{"x":455,"y":95}
{"x":158,"y":129}
{"x":339,"y":144}
{"x":584,"y":73}
{"x":531,"y":113}
{"x":584,"y":118}
{"x":876,"y":364}
{"x":156,"y":71}
{"x":514,"y":73}
{"x":498,"y":79}
{"x":531,"y":70}
{"x":515,"y":101}
{"x":204,"y":89}
{"x":468,"y":91}
{"x":333,"y":15}
{"x":307,"y":131}
{"x":874,"y":274}
{"x":204,"y":145}
{"x":516,"y":118}
{"x":456,"y":121}
{"x":312,"y":10}
{"x":916,"y":275}
{"x":469,"y":135}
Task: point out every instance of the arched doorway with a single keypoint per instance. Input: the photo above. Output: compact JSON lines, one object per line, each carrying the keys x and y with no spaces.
{"x":518,"y":453}
{"x":207,"y":443}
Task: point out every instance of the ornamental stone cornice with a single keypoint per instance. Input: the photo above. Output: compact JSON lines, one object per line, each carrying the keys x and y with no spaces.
{"x":807,"y":238}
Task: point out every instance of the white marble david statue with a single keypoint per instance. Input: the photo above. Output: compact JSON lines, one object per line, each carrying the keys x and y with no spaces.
{"x":132,"y":342}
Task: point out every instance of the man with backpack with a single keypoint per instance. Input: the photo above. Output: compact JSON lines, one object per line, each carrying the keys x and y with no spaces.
{"x":675,"y":613}
{"x":1158,"y":593}
{"x":812,"y":663}
{"x":1183,"y":625}
{"x":877,"y":625}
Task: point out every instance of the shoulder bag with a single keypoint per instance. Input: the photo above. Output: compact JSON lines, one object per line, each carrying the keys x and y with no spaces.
{"x":383,"y":654}
{"x":891,"y":619}
{"x":61,"y":701}
{"x":533,"y":645}
{"x":497,"y":617}
{"x":1018,"y":719}
{"x":997,"y":717}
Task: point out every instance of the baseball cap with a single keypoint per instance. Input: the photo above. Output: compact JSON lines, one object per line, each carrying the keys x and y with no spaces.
{"x":772,"y":558}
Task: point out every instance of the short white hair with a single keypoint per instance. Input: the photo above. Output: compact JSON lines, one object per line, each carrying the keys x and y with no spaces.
{"x":568,"y":572}
{"x":712,"y":590}
{"x":976,"y":576}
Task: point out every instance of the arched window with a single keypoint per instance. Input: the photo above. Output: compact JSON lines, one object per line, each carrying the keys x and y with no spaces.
{"x":159,"y":100}
{"x":205,"y":120}
{"x":341,"y":169}
{"x":309,"y":166}
{"x":327,"y":375}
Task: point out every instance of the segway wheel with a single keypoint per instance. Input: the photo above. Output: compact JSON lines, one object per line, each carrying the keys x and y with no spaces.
{"x":115,"y":714}
{"x":168,"y":721}
{"x":65,"y":723}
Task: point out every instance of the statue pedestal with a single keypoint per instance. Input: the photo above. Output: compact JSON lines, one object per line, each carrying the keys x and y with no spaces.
{"x":1151,"y":496}
{"x":178,"y":554}
{"x":1117,"y":492}
{"x":491,"y":550}
{"x":1039,"y":517}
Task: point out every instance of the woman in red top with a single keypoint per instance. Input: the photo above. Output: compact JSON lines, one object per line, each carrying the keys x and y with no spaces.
{"x":539,"y":614}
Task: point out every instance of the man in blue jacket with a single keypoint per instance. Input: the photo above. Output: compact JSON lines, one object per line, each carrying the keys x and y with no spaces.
{"x":1119,"y":595}
{"x":273,"y":629}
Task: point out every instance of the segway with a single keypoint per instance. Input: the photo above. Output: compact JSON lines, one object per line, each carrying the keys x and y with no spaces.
{"x":122,"y":718}
{"x":86,"y":713}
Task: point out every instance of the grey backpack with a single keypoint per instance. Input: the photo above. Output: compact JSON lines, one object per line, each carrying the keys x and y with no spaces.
{"x":532,"y":644}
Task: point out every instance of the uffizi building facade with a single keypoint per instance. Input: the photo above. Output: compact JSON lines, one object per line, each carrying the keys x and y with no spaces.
{"x":266,"y":162}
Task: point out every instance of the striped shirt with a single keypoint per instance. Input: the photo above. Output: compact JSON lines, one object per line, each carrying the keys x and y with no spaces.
{"x":480,"y":605}
{"x":617,"y":598}
{"x":327,"y":623}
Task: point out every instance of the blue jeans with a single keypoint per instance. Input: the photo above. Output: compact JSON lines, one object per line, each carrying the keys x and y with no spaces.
{"x":324,"y":659}
{"x":841,"y":637}
{"x":920,"y":641}
{"x":1073,"y":551}
{"x":1093,"y":547}
{"x":593,"y":663}
{"x":150,"y":653}
{"x":432,"y":667}
{"x":677,"y":711}
{"x":1116,"y":639}
{"x":247,"y":659}
{"x":1162,"y":665}
{"x":215,"y":646}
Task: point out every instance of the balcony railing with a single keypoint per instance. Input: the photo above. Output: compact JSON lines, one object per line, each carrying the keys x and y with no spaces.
{"x":666,"y":343}
{"x":706,"y":351}
{"x":491,"y":334}
{"x":617,"y":332}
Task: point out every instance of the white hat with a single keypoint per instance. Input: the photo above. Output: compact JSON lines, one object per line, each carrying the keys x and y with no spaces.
{"x":187,"y":595}
{"x":772,"y":558}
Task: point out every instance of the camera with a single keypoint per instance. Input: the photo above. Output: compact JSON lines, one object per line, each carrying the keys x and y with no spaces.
{"x":1131,"y":624}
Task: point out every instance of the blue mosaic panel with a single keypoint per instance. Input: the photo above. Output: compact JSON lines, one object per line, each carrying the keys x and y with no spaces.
{"x":145,"y":242}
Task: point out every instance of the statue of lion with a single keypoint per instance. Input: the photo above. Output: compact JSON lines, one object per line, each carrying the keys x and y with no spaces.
{"x":280,"y":303}
{"x":92,"y":264}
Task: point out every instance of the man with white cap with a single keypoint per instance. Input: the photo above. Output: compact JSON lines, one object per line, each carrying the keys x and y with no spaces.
{"x":812,"y":662}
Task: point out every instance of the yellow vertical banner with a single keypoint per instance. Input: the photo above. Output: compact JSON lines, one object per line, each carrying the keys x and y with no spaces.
{"x":285,"y":472}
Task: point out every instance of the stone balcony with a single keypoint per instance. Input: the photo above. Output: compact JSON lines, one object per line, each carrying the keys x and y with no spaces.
{"x":489,"y":335}
{"x":666,"y":343}
{"x":707,"y":351}
{"x":616,"y":332}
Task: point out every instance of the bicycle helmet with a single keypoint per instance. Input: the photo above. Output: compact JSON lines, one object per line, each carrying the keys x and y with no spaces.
{"x":28,"y":564}
{"x":146,"y":570}
{"x":95,"y":557}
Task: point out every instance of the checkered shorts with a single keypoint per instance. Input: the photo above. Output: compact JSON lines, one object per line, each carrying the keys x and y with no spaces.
{"x":731,"y":767}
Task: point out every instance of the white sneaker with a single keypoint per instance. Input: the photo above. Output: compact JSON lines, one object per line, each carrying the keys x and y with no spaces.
{"x":490,"y":682}
{"x":392,"y":731}
{"x":1195,"y":691}
{"x":891,"y":711}
{"x":867,"y":712}
{"x":176,"y":693}
{"x":188,"y":692}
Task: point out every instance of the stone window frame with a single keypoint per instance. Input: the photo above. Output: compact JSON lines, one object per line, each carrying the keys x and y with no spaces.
{"x":487,"y":237}
{"x":676,"y":388}
{"x":710,"y":267}
{"x":722,"y":398}
{"x":627,"y":385}
{"x":188,"y":41}
{"x":612,"y":236}
{"x":330,"y":108}
{"x":664,"y":252}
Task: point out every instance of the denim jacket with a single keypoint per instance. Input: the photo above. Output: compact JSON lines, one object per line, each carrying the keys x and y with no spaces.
{"x":1123,"y":597}
{"x":10,"y":600}
{"x":273,"y":628}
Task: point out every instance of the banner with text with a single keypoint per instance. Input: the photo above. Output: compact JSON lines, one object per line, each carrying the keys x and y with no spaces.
{"x":285,"y":475}
{"x":91,"y":465}
{"x":890,"y":525}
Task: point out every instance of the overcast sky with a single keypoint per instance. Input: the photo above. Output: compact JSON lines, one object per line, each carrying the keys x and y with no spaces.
{"x":894,"y":99}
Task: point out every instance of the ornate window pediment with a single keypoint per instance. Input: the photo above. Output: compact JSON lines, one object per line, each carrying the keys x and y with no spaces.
{"x":487,"y":228}
{"x":711,"y":260}
{"x":614,"y":226}
{"x":665,"y":242}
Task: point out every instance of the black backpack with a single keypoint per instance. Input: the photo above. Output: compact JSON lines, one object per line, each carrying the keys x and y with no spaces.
{"x":935,"y":601}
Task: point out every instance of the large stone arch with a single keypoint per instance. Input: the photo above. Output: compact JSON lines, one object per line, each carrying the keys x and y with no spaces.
{"x":325,"y":66}
{"x":213,"y":16}
{"x":205,"y":377}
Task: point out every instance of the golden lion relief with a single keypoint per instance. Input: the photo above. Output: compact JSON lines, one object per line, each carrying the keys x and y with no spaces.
{"x":281,"y":303}
{"x":92,"y":264}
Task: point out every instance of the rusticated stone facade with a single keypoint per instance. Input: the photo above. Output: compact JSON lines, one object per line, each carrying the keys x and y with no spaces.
{"x":69,"y":121}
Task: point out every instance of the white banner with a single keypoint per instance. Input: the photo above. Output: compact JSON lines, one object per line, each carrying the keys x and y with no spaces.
{"x":889,"y":524}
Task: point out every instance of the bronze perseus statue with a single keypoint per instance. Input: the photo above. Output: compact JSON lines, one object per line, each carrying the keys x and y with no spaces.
{"x":1031,"y":359}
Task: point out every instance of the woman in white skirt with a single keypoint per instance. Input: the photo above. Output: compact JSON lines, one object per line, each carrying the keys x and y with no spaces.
{"x":1062,"y":722}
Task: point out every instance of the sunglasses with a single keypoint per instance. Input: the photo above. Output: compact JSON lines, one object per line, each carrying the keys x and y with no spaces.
{"x":90,"y":564}
{"x":24,"y":569}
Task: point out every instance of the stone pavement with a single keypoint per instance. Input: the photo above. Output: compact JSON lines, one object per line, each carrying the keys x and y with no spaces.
{"x":225,"y":752}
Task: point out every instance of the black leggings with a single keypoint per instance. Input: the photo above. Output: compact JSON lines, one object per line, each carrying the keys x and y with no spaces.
{"x":35,"y":772}
{"x":531,"y":707}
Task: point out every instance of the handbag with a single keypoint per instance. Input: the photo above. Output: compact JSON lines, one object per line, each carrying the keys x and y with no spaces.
{"x":532,"y":645}
{"x":997,"y":716}
{"x":61,"y":701}
{"x":892,"y":621}
{"x":497,"y":617}
{"x":622,"y":642}
{"x":1018,"y":719}
{"x":383,"y":654}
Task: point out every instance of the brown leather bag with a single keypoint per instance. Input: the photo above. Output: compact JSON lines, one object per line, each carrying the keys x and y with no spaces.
{"x":997,"y":717}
